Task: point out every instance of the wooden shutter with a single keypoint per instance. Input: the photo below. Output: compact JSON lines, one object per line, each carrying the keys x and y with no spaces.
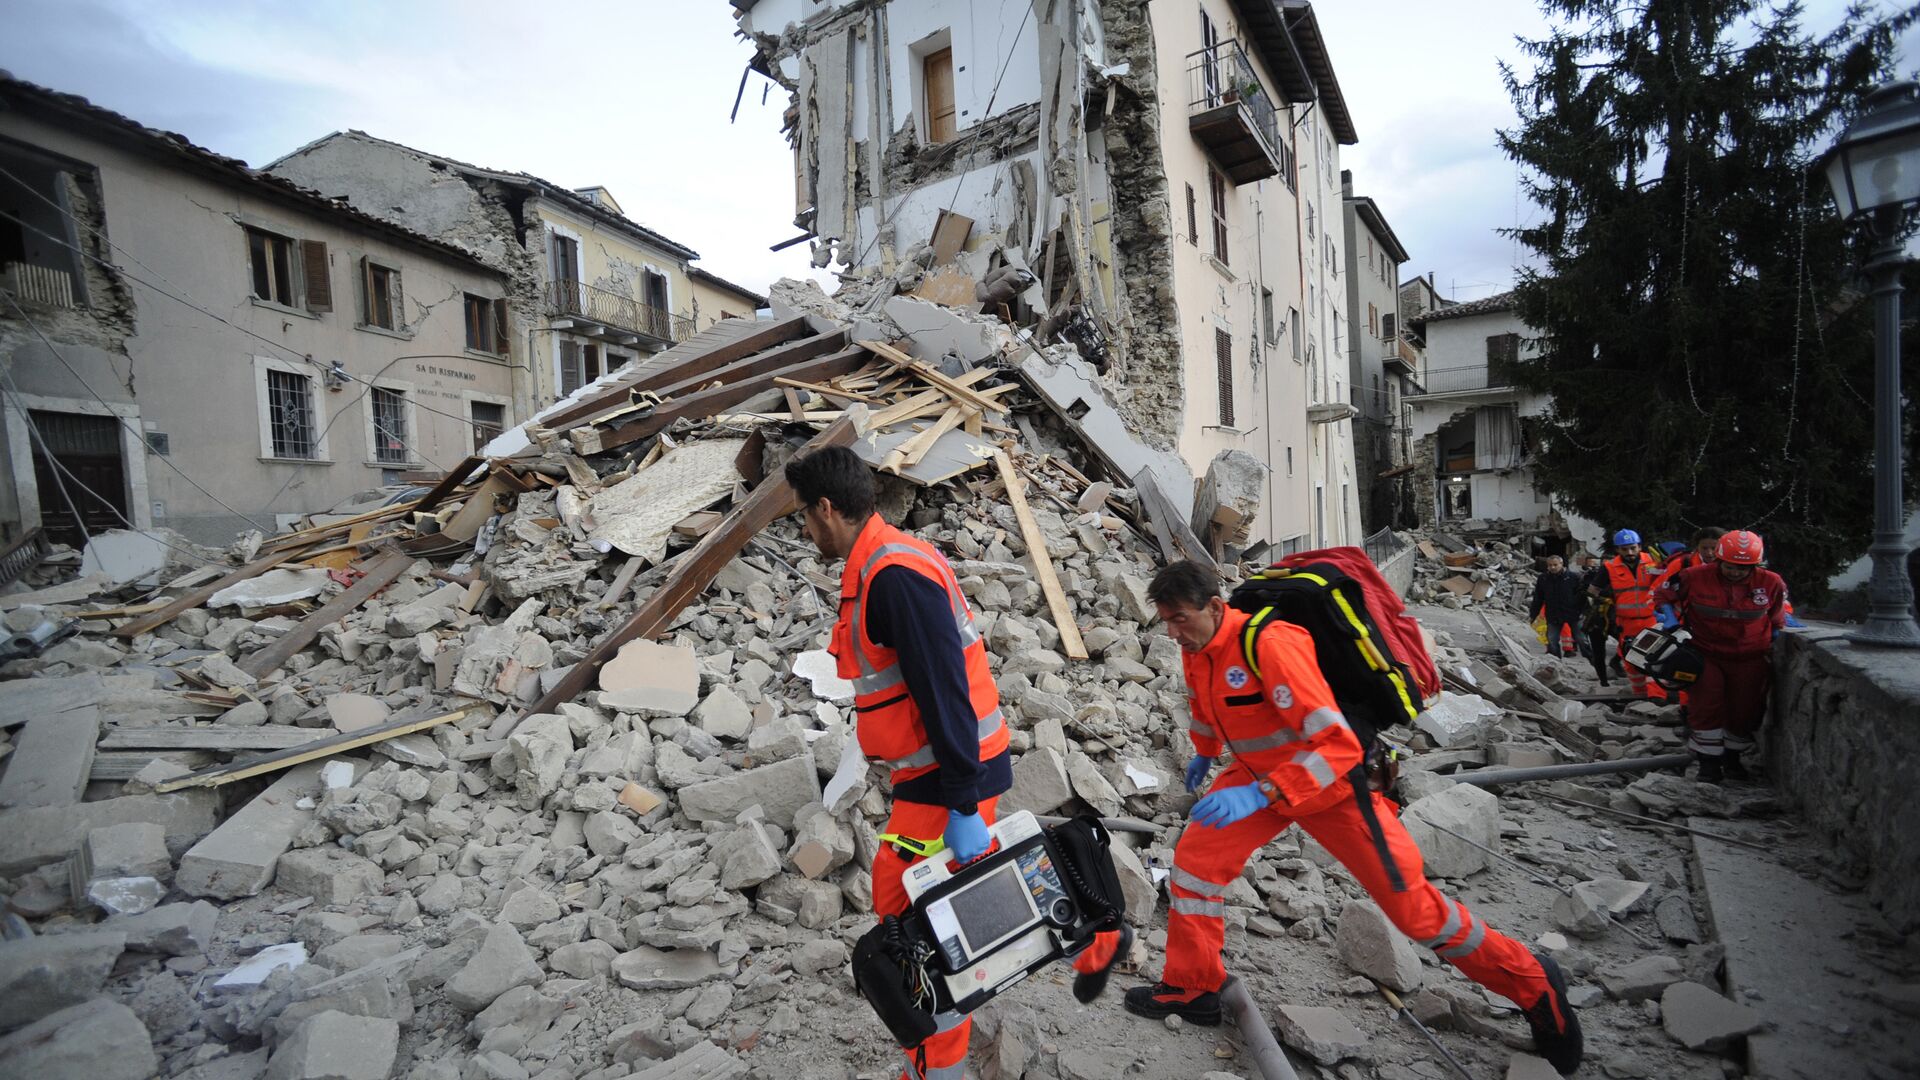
{"x":1217,"y":191}
{"x":366,"y":291}
{"x":397,"y":299}
{"x":937,"y":72}
{"x":1223,"y":364}
{"x":1193,"y":218}
{"x":314,"y":266}
{"x":500,"y":326}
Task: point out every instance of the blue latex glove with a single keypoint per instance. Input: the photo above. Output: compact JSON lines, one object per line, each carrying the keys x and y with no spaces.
{"x":1197,"y":770}
{"x":966,"y":836}
{"x":1228,"y":805}
{"x":1666,"y":617}
{"x":1794,"y":622}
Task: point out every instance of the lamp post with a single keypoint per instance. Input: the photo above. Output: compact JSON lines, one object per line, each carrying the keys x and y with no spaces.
{"x":1874,"y":168}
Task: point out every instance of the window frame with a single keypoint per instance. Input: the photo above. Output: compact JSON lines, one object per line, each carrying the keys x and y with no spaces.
{"x":470,"y":398}
{"x":1293,"y":333}
{"x":494,"y":320}
{"x":1193,"y":217}
{"x":371,"y":271}
{"x":1217,"y":206}
{"x":409,"y":424}
{"x":295,"y":286}
{"x":1223,"y":376}
{"x":931,"y":110}
{"x":1270,"y":330}
{"x":262,"y":365}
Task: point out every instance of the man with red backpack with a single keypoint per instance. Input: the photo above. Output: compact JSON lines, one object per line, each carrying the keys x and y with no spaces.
{"x":1732,"y":607}
{"x":1256,"y":688}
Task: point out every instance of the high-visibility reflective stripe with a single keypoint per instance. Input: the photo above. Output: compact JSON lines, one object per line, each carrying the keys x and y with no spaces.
{"x":1321,"y":719}
{"x":962,"y":615}
{"x":955,"y":1071}
{"x":1474,"y":937}
{"x":947,"y":1021}
{"x":1198,"y":884}
{"x":1196,"y":724}
{"x":989,"y":724}
{"x":1725,"y":613}
{"x":1737,"y":743}
{"x":1447,"y":929}
{"x":1316,"y":765}
{"x":885,"y":679}
{"x":1187,"y":905}
{"x":1283,"y":737}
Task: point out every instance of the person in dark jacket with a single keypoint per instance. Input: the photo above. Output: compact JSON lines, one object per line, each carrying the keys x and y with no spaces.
{"x":1561,"y":593}
{"x":1599,"y":613}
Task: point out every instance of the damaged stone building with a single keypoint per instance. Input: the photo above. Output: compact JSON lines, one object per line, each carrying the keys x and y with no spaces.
{"x":173,"y":322}
{"x":592,"y":289}
{"x":1473,"y":442}
{"x":1166,"y":175}
{"x":1379,"y":361}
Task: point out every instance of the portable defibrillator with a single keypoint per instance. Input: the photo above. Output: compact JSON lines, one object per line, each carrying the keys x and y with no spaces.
{"x":973,"y":931}
{"x":1666,"y":656}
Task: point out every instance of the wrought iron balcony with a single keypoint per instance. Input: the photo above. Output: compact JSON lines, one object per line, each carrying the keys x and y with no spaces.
{"x":599,"y":313}
{"x":1461,"y":379}
{"x":1231,"y":115}
{"x":1400,"y":351}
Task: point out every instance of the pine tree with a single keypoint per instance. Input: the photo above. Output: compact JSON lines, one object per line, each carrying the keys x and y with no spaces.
{"x":1702,"y":327}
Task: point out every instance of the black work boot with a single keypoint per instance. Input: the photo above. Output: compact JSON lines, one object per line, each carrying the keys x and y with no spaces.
{"x":1159,"y":1001}
{"x":1733,"y":767}
{"x":1556,"y":1030}
{"x":1089,"y":985}
{"x":1712,"y":768}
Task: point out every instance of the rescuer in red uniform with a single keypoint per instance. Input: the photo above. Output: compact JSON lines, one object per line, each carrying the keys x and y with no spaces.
{"x":1733,"y":607}
{"x":1296,"y":760}
{"x":1629,"y":580}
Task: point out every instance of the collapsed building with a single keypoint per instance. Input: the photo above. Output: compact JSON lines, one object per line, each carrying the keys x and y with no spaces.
{"x":1158,"y":184}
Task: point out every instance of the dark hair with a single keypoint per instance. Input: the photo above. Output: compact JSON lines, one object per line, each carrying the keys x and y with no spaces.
{"x":1185,"y":582}
{"x":836,"y":474}
{"x":1708,"y":533}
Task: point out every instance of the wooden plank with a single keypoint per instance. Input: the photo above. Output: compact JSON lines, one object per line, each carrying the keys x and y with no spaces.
{"x":796,"y":406}
{"x":120,"y":766}
{"x":1070,"y":641}
{"x":933,"y":375}
{"x":217,"y":737}
{"x":914,"y":450}
{"x":773,"y":333}
{"x":447,"y":483}
{"x":1170,"y":524}
{"x":474,"y":513}
{"x":926,"y":401}
{"x":303,"y":753}
{"x":754,"y":367}
{"x":338,"y":528}
{"x":195,"y":597}
{"x":827,"y":391}
{"x":692,"y":572}
{"x":706,"y":403}
{"x":379,"y":576}
{"x":950,"y":232}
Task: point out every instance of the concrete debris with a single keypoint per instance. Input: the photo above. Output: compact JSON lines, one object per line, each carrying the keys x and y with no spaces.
{"x":42,"y":975}
{"x":1700,"y":1019}
{"x":94,"y":1040}
{"x":1448,"y":823}
{"x":125,"y":557}
{"x":336,"y":1046}
{"x":1370,"y":945}
{"x":271,"y":589}
{"x":647,"y":677}
{"x":1642,"y":979}
{"x":1458,"y":719}
{"x":1323,"y":1034}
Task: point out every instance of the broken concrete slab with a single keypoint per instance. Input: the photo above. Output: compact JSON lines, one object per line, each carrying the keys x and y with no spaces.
{"x":353,"y":712}
{"x":275,"y":587}
{"x":99,"y":1039}
{"x":1643,"y":979}
{"x":1321,"y":1033}
{"x":336,"y":1046}
{"x":170,"y":929}
{"x":42,"y":975}
{"x":1433,"y":821}
{"x":34,"y":836}
{"x":331,"y":875}
{"x":818,"y":667}
{"x":651,"y":678}
{"x":1699,"y":1019}
{"x":239,"y":858}
{"x":130,"y":849}
{"x":1039,"y":783}
{"x":1072,"y":389}
{"x":51,"y":760}
{"x":701,"y":1061}
{"x":648,"y":968}
{"x":502,"y":962}
{"x":1370,"y":945}
{"x":1587,"y":909}
{"x":125,"y":557}
{"x":781,"y":789}
{"x":1458,"y":719}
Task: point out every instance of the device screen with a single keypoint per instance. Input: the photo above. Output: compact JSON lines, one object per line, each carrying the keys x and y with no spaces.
{"x":994,"y":908}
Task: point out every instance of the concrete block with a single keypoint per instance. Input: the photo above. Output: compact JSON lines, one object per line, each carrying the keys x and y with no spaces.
{"x":1458,"y":719}
{"x":52,"y":757}
{"x":583,"y":959}
{"x":239,"y":858}
{"x":1091,"y":785}
{"x":1643,"y":979}
{"x":537,"y":753}
{"x":781,"y":789}
{"x":651,"y":678}
{"x":97,"y":1040}
{"x":648,"y":968}
{"x":378,"y":989}
{"x":1370,"y":945}
{"x":42,"y":975}
{"x":132,"y":849}
{"x":724,"y":715}
{"x":32,"y":837}
{"x":331,"y":875}
{"x":701,"y":1061}
{"x":1039,"y":783}
{"x":1464,"y":809}
{"x":354,"y":712}
{"x":170,"y":929}
{"x":1136,"y":885}
{"x":1528,"y":1067}
{"x":1321,"y":1033}
{"x":336,"y":1046}
{"x":124,"y":557}
{"x":502,"y":962}
{"x":1699,"y":1019}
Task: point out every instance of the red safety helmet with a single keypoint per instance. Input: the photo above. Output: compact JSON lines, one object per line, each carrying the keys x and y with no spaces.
{"x":1741,"y":548}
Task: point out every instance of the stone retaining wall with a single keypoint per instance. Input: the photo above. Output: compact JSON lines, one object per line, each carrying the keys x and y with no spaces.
{"x":1843,"y":743}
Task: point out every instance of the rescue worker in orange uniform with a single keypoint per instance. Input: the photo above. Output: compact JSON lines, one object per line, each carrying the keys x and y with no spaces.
{"x":1733,"y":607}
{"x":1705,"y":542}
{"x":925,"y":704}
{"x":1296,"y":760}
{"x":1630,"y":575}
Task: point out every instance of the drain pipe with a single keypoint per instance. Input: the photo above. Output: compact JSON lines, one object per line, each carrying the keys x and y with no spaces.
{"x":1497,"y":777}
{"x":1268,"y":1058}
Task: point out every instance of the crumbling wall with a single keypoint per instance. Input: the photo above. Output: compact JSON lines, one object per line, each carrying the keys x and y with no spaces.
{"x":1426,"y":479}
{"x":1147,"y":353}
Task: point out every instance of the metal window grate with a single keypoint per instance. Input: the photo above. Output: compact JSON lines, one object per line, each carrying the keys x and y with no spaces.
{"x":1223,"y":360}
{"x":489,"y":420}
{"x":290,"y":415}
{"x":390,"y":427}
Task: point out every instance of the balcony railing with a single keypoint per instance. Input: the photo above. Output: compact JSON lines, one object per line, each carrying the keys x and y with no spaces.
{"x":1400,"y":351}
{"x":1451,"y":380}
{"x":38,"y":284}
{"x":1231,"y":115}
{"x":578,"y":299}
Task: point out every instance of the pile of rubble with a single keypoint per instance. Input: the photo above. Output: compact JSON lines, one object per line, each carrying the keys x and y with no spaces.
{"x":1454,"y":573}
{"x":543,"y":772}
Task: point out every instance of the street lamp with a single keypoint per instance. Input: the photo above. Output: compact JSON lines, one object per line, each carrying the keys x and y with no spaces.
{"x":1875,"y":172}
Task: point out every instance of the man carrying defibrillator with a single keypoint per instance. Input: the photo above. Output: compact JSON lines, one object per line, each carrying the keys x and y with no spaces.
{"x":1295,"y":759}
{"x":925,"y":704}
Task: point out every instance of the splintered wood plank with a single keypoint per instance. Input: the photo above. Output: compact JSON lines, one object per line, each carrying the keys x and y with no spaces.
{"x":454,"y":478}
{"x":761,"y":337}
{"x":380,"y":575}
{"x":923,"y":403}
{"x":796,"y":407}
{"x":705,"y":403}
{"x":193,"y":598}
{"x":914,"y":450}
{"x":1042,"y":562}
{"x":1169,"y":524}
{"x":692,"y":572}
{"x":304,"y":751}
{"x":266,"y":737}
{"x":933,"y":375}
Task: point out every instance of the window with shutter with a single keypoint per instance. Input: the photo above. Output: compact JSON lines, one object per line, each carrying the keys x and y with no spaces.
{"x":1293,"y":331}
{"x":314,"y":267}
{"x":1266,"y":317}
{"x":389,"y":426}
{"x":1193,"y":218}
{"x":570,"y":379}
{"x":270,"y":264}
{"x":1502,"y":349}
{"x":937,"y":77}
{"x":380,"y":293}
{"x":502,"y":337}
{"x":1223,"y":366}
{"x":1217,"y":188}
{"x":489,"y":420}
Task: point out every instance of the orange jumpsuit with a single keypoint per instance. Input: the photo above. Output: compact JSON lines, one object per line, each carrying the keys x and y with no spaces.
{"x":1633,"y":612}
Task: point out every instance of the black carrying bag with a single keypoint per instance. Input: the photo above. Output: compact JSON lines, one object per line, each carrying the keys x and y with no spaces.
{"x":885,"y":975}
{"x":1375,"y":689}
{"x":1086,"y":856}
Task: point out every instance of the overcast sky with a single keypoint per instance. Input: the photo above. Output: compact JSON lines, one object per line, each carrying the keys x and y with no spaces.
{"x":634,"y":94}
